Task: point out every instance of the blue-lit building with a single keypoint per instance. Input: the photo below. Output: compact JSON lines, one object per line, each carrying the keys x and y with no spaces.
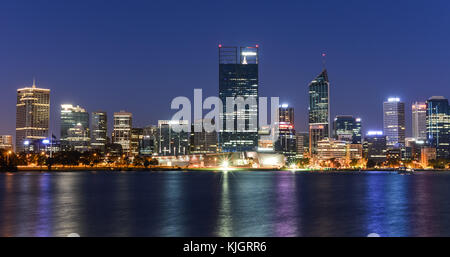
{"x":347,"y":128}
{"x":238,"y":77}
{"x":319,"y":110}
{"x":438,"y":126}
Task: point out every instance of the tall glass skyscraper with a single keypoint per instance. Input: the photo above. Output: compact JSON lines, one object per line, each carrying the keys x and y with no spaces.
{"x":99,"y":131}
{"x":122,"y":130}
{"x":75,"y":134}
{"x":238,"y":77}
{"x":137,"y":135}
{"x":172,"y":143}
{"x":347,"y":128}
{"x":438,"y":125}
{"x":149,"y":143}
{"x":319,"y":110}
{"x":394,"y":122}
{"x":287,"y":140}
{"x":419,"y":120}
{"x":32,"y":115}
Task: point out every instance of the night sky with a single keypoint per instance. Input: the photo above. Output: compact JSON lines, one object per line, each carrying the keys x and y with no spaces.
{"x":139,"y":55}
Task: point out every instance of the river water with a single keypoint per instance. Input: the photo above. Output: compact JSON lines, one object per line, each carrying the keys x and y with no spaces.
{"x":233,"y":203}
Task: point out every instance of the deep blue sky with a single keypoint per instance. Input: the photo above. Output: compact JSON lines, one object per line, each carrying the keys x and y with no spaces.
{"x":139,"y":55}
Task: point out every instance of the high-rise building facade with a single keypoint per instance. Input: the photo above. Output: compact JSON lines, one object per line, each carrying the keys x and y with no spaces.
{"x":75,"y":133}
{"x":438,"y":126}
{"x":149,"y":142}
{"x":238,"y":77}
{"x":99,"y":130}
{"x":394,"y":122}
{"x":319,"y":110}
{"x":32,"y":115}
{"x":122,"y":130}
{"x":137,"y":135}
{"x":302,"y":139}
{"x":419,"y":121}
{"x":347,"y":128}
{"x":172,"y":143}
{"x":286,"y":143}
{"x":375,"y":146}
{"x":203,"y":142}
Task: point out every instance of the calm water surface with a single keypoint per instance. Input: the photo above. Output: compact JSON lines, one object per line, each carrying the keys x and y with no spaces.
{"x":178,"y":203}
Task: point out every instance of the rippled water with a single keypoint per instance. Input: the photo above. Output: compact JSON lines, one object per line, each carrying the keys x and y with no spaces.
{"x":178,"y":203}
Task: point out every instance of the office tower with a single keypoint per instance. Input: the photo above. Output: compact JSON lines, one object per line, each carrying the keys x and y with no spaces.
{"x":394,"y":122}
{"x":203,"y":142}
{"x":149,"y":143}
{"x":99,"y":130}
{"x":375,"y":146}
{"x":238,"y":77}
{"x":75,"y":133}
{"x":438,"y":126}
{"x":357,"y":136}
{"x":419,"y":120}
{"x":319,"y":110}
{"x":347,"y":128}
{"x":137,"y":135}
{"x":302,"y":139}
{"x":286,"y":143}
{"x":122,"y":130}
{"x":32,"y":115}
{"x":6,"y":142}
{"x":286,"y":114}
{"x":172,"y":143}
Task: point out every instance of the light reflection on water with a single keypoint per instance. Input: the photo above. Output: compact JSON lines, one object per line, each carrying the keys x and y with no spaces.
{"x":176,"y":203}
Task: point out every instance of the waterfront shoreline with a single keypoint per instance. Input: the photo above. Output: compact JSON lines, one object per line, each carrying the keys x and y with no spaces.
{"x":151,"y":169}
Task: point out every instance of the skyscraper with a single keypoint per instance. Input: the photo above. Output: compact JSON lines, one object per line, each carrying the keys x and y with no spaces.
{"x":438,"y":125}
{"x":137,"y":135}
{"x":419,"y":120}
{"x":238,"y":77}
{"x":149,"y":143}
{"x":375,"y":146}
{"x":286,"y":143}
{"x":99,"y":130}
{"x":75,"y":133}
{"x":32,"y":115}
{"x":122,"y":130}
{"x":302,"y":139}
{"x":347,"y":128}
{"x":172,"y":143}
{"x":203,"y":142}
{"x":319,"y":110}
{"x":394,"y":122}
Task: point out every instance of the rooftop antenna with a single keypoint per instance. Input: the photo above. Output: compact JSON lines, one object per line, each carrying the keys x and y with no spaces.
{"x":34,"y":82}
{"x":324,"y":61}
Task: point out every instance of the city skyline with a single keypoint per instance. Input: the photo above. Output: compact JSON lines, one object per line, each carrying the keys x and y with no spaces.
{"x":354,"y":61}
{"x":56,"y":122}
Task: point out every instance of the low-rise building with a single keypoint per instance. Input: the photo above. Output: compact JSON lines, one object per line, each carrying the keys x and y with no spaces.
{"x":6,"y":142}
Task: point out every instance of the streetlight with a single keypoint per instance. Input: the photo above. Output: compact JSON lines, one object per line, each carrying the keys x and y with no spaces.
{"x":7,"y":157}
